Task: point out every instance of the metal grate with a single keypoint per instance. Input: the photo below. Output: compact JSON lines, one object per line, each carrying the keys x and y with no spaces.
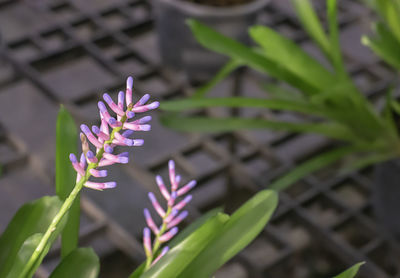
{"x":64,"y":51}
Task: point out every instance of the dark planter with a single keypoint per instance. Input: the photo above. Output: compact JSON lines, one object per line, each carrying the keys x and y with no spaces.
{"x":180,"y":51}
{"x":386,"y":195}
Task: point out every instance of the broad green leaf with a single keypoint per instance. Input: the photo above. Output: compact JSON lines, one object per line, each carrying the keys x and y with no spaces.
{"x":311,"y":23}
{"x":30,"y":219}
{"x":80,"y":263}
{"x":351,"y":272}
{"x":242,"y":228}
{"x":219,"y":43}
{"x":182,"y":236}
{"x":179,"y":257}
{"x":318,"y":162}
{"x":206,"y":124}
{"x":24,"y":254}
{"x":218,"y":77}
{"x":66,"y":143}
{"x":276,"y":104}
{"x":291,"y":57}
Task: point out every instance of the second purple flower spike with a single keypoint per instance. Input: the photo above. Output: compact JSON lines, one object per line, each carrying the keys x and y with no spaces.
{"x":113,"y":131}
{"x":171,"y":216}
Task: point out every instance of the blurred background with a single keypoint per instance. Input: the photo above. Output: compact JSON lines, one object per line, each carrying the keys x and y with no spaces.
{"x":71,"y":52}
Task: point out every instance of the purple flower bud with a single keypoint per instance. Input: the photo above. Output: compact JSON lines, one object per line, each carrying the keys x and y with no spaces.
{"x":186,"y":188}
{"x":121,"y":98}
{"x":178,"y":219}
{"x":130,"y":114}
{"x":162,"y":254}
{"x":129,"y":83}
{"x":150,"y":221}
{"x":127,"y":133}
{"x":91,"y":157}
{"x":98,"y":173}
{"x":183,"y":203}
{"x":147,"y":241}
{"x":72,"y":157}
{"x":168,"y":235}
{"x":144,"y":120}
{"x":142,"y":100}
{"x":108,"y":148}
{"x":162,"y":187}
{"x":100,"y":185}
{"x":171,"y":200}
{"x":156,"y":205}
{"x":174,"y":212}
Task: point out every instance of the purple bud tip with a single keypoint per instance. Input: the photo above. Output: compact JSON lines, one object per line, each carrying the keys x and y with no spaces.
{"x":95,"y":129}
{"x":108,"y":149}
{"x":165,"y":250}
{"x":127,"y":133}
{"x":146,"y":213}
{"x":129,"y":142}
{"x":124,"y":154}
{"x":192,"y":184}
{"x":129,"y":83}
{"x":85,"y":128}
{"x":145,"y":127}
{"x":112,"y":121}
{"x":123,"y":160}
{"x":103,"y":173}
{"x":101,"y":106}
{"x":174,"y":231}
{"x":72,"y":157}
{"x":171,"y":164}
{"x":130,"y":114}
{"x":174,"y":195}
{"x":159,"y":179}
{"x":183,"y":214}
{"x":121,"y":96}
{"x":187,"y":199}
{"x":90,"y":154}
{"x":107,"y":98}
{"x":138,"y":142}
{"x":145,"y":119}
{"x":152,"y":197}
{"x":153,"y":105}
{"x":144,"y":99}
{"x":146,"y":232}
{"x":110,"y":184}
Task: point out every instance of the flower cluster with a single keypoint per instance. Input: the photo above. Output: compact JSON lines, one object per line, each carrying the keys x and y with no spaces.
{"x":170,"y":217}
{"x":111,"y":132}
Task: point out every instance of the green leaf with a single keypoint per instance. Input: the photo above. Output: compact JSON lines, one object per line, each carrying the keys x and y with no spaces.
{"x":205,"y":124}
{"x":30,"y":219}
{"x":216,"y":241}
{"x":278,"y":104}
{"x":335,"y":52}
{"x":311,"y":23}
{"x":351,"y":272}
{"x":66,"y":143}
{"x":80,"y":263}
{"x":218,"y":77}
{"x":384,"y":44}
{"x":291,"y":57}
{"x":219,"y":43}
{"x":179,"y":257}
{"x":241,"y":229}
{"x":24,"y":254}
{"x":318,"y":162}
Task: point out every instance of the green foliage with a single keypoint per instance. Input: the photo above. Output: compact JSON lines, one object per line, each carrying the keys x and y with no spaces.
{"x":218,"y":239}
{"x":386,"y":41}
{"x":22,"y":232}
{"x":80,"y":263}
{"x":338,"y":109}
{"x":351,"y":272}
{"x":66,"y":136}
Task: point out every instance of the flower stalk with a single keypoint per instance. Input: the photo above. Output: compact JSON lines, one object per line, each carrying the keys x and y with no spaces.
{"x":104,"y":144}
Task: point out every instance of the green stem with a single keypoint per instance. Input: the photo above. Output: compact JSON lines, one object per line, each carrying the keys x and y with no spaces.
{"x":68,"y":203}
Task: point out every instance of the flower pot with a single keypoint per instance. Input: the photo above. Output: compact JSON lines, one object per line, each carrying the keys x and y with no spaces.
{"x":178,"y":47}
{"x":386,"y":195}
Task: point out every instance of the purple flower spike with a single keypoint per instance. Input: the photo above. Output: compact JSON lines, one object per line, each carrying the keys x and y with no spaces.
{"x":162,"y":254}
{"x":171,"y":216}
{"x":107,"y":136}
{"x":168,"y":235}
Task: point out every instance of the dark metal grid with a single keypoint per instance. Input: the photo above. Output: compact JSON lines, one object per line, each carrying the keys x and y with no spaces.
{"x":323,"y":223}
